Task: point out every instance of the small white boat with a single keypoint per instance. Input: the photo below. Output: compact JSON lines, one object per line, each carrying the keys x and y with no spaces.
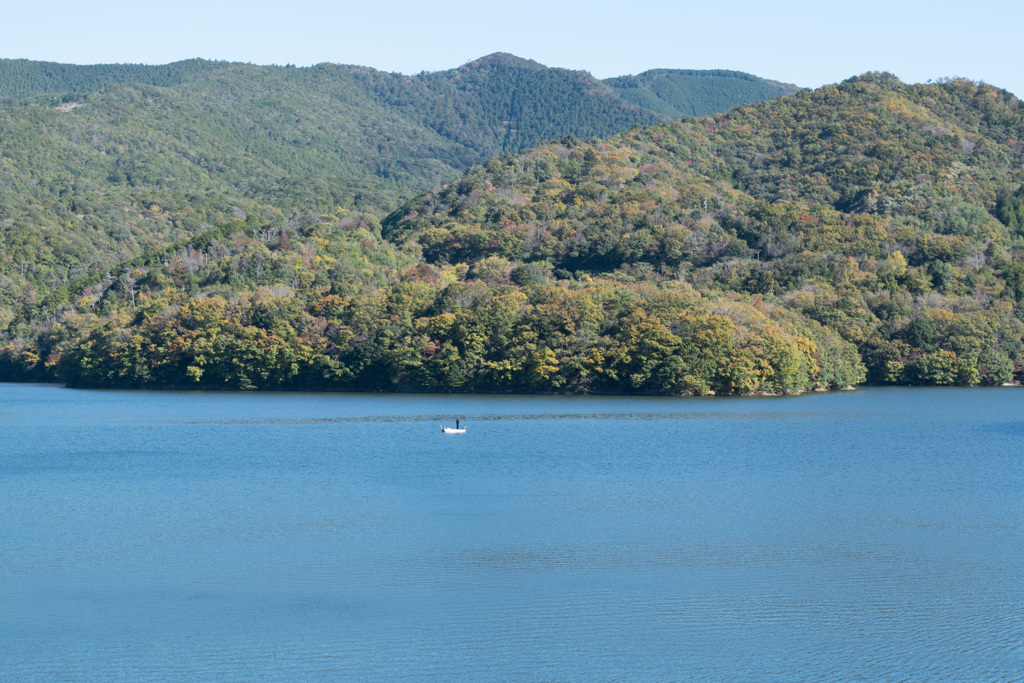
{"x":459,"y":429}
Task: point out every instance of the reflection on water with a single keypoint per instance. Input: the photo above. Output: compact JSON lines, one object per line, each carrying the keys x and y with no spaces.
{"x":875,"y":535}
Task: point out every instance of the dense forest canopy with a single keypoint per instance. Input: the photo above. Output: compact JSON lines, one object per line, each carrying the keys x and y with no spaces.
{"x":20,"y":78}
{"x":867,"y":231}
{"x":99,"y":164}
{"x":677,"y":93}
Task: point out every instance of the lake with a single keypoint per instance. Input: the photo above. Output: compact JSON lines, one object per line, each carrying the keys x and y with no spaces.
{"x":875,"y":534}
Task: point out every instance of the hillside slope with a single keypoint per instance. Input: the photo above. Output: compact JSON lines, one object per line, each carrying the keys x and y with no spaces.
{"x":869,"y":230}
{"x":889,"y":213}
{"x":96,"y":170}
{"x":677,"y":93}
{"x":23,"y":78}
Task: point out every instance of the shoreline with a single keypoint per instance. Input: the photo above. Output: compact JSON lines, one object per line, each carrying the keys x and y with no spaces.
{"x":411,"y":391}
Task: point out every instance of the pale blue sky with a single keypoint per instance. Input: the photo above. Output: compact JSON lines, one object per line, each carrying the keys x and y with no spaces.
{"x":806,"y":43}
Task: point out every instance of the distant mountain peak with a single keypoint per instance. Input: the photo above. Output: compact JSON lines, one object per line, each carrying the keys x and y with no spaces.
{"x":503,"y":59}
{"x":676,"y":93}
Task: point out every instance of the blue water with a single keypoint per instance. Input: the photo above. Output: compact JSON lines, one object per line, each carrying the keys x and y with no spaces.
{"x":871,"y":535}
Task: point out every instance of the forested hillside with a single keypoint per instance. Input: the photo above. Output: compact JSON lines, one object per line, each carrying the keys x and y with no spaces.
{"x":21,"y":78}
{"x":103,"y":163}
{"x":677,"y":93}
{"x":865,"y":231}
{"x":888,"y":213}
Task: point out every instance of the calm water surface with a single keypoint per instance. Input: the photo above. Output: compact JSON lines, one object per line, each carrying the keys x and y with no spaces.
{"x":875,"y":535}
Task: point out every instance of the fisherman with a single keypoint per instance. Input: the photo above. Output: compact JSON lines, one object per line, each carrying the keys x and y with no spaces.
{"x":456,"y":423}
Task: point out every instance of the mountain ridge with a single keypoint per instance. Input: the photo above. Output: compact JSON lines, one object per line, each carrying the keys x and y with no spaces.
{"x":24,"y":77}
{"x":204,"y":141}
